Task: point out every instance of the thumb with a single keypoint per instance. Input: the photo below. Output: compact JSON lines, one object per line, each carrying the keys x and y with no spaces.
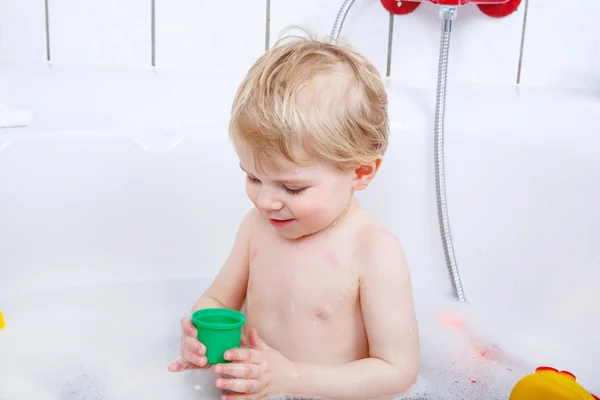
{"x":256,"y":341}
{"x":181,"y":365}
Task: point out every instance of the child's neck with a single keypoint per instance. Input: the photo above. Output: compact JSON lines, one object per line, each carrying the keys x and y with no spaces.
{"x":351,"y":208}
{"x":342,"y":219}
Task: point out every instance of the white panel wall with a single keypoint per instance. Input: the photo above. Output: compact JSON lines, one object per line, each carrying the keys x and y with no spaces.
{"x":562,"y":44}
{"x":482,"y":49}
{"x":22,"y":30}
{"x":366,"y":26}
{"x":100,"y":32}
{"x":211,"y":36}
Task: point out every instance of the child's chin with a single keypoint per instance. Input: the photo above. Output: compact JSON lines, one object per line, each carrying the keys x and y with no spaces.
{"x":292,"y":235}
{"x":299,"y":233}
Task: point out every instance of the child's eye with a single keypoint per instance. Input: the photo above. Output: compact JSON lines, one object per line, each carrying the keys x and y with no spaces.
{"x":294,"y":191}
{"x":252,"y":179}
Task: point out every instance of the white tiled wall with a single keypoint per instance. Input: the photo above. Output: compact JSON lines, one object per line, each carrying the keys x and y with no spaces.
{"x":22,"y":31}
{"x":100,"y":32}
{"x":561,"y":42}
{"x":212,"y":36}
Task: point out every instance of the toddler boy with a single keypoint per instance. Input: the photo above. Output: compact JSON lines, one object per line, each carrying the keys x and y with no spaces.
{"x":324,"y":285}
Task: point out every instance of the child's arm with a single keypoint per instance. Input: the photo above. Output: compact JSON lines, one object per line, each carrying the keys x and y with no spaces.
{"x":228,"y":290}
{"x":391,"y":326}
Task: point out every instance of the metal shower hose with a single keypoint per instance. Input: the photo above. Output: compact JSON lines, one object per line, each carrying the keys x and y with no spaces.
{"x":447,"y":14}
{"x":339,"y":20}
{"x":440,"y":181}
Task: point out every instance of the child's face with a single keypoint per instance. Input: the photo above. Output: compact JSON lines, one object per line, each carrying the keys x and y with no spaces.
{"x":298,"y":200}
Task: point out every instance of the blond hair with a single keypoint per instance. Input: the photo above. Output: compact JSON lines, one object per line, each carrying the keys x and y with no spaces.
{"x":327,"y":99}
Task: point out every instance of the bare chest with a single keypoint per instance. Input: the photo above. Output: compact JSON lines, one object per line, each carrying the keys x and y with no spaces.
{"x":308,"y":284}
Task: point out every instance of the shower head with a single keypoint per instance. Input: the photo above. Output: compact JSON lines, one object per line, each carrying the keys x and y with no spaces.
{"x":457,"y":2}
{"x":492,"y":8}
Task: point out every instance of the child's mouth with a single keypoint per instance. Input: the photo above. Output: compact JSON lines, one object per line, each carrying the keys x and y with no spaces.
{"x":278,"y":223}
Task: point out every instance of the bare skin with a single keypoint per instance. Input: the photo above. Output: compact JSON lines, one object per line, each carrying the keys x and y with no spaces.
{"x":306,"y":292}
{"x":327,"y":294}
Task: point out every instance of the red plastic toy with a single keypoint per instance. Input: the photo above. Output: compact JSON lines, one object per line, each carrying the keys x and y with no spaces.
{"x":491,"y":8}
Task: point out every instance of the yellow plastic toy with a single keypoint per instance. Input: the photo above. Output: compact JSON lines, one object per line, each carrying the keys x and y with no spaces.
{"x":1,"y":321}
{"x":548,"y":383}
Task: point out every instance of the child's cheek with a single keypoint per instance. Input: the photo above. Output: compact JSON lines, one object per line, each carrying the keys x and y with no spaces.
{"x":317,"y":214}
{"x":312,"y":212}
{"x":316,"y":207}
{"x":252,"y":192}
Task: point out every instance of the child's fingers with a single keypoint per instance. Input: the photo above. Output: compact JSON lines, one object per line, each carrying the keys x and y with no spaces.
{"x":240,"y":385}
{"x":193,"y":345}
{"x":244,"y":341}
{"x":243,"y":355}
{"x":175,"y":366}
{"x":182,"y":365}
{"x":192,"y":351}
{"x":193,"y":358}
{"x":188,"y":328}
{"x":237,"y":396}
{"x":242,"y":371}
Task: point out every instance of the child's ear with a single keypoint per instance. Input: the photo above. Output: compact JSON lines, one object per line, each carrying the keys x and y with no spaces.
{"x":364,"y":174}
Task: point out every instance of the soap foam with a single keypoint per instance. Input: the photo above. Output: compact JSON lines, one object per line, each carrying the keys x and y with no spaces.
{"x":115,"y":342}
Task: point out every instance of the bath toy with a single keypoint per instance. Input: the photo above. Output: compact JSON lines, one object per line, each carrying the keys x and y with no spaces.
{"x":219,"y":329}
{"x":1,"y":321}
{"x":548,"y":383}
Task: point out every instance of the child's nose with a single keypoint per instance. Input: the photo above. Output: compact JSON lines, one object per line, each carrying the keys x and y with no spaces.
{"x":267,"y":200}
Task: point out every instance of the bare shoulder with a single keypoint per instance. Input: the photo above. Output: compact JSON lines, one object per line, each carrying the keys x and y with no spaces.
{"x":257,"y":229}
{"x":251,"y":223}
{"x":382,"y":250}
{"x":252,"y":217}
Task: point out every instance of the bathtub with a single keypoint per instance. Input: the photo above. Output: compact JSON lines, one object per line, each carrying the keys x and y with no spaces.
{"x":110,"y":230}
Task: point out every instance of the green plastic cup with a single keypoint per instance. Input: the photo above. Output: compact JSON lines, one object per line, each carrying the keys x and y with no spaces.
{"x":219,"y":330}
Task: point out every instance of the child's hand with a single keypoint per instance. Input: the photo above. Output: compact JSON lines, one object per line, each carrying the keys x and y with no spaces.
{"x":192,"y":351}
{"x":257,"y":372}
